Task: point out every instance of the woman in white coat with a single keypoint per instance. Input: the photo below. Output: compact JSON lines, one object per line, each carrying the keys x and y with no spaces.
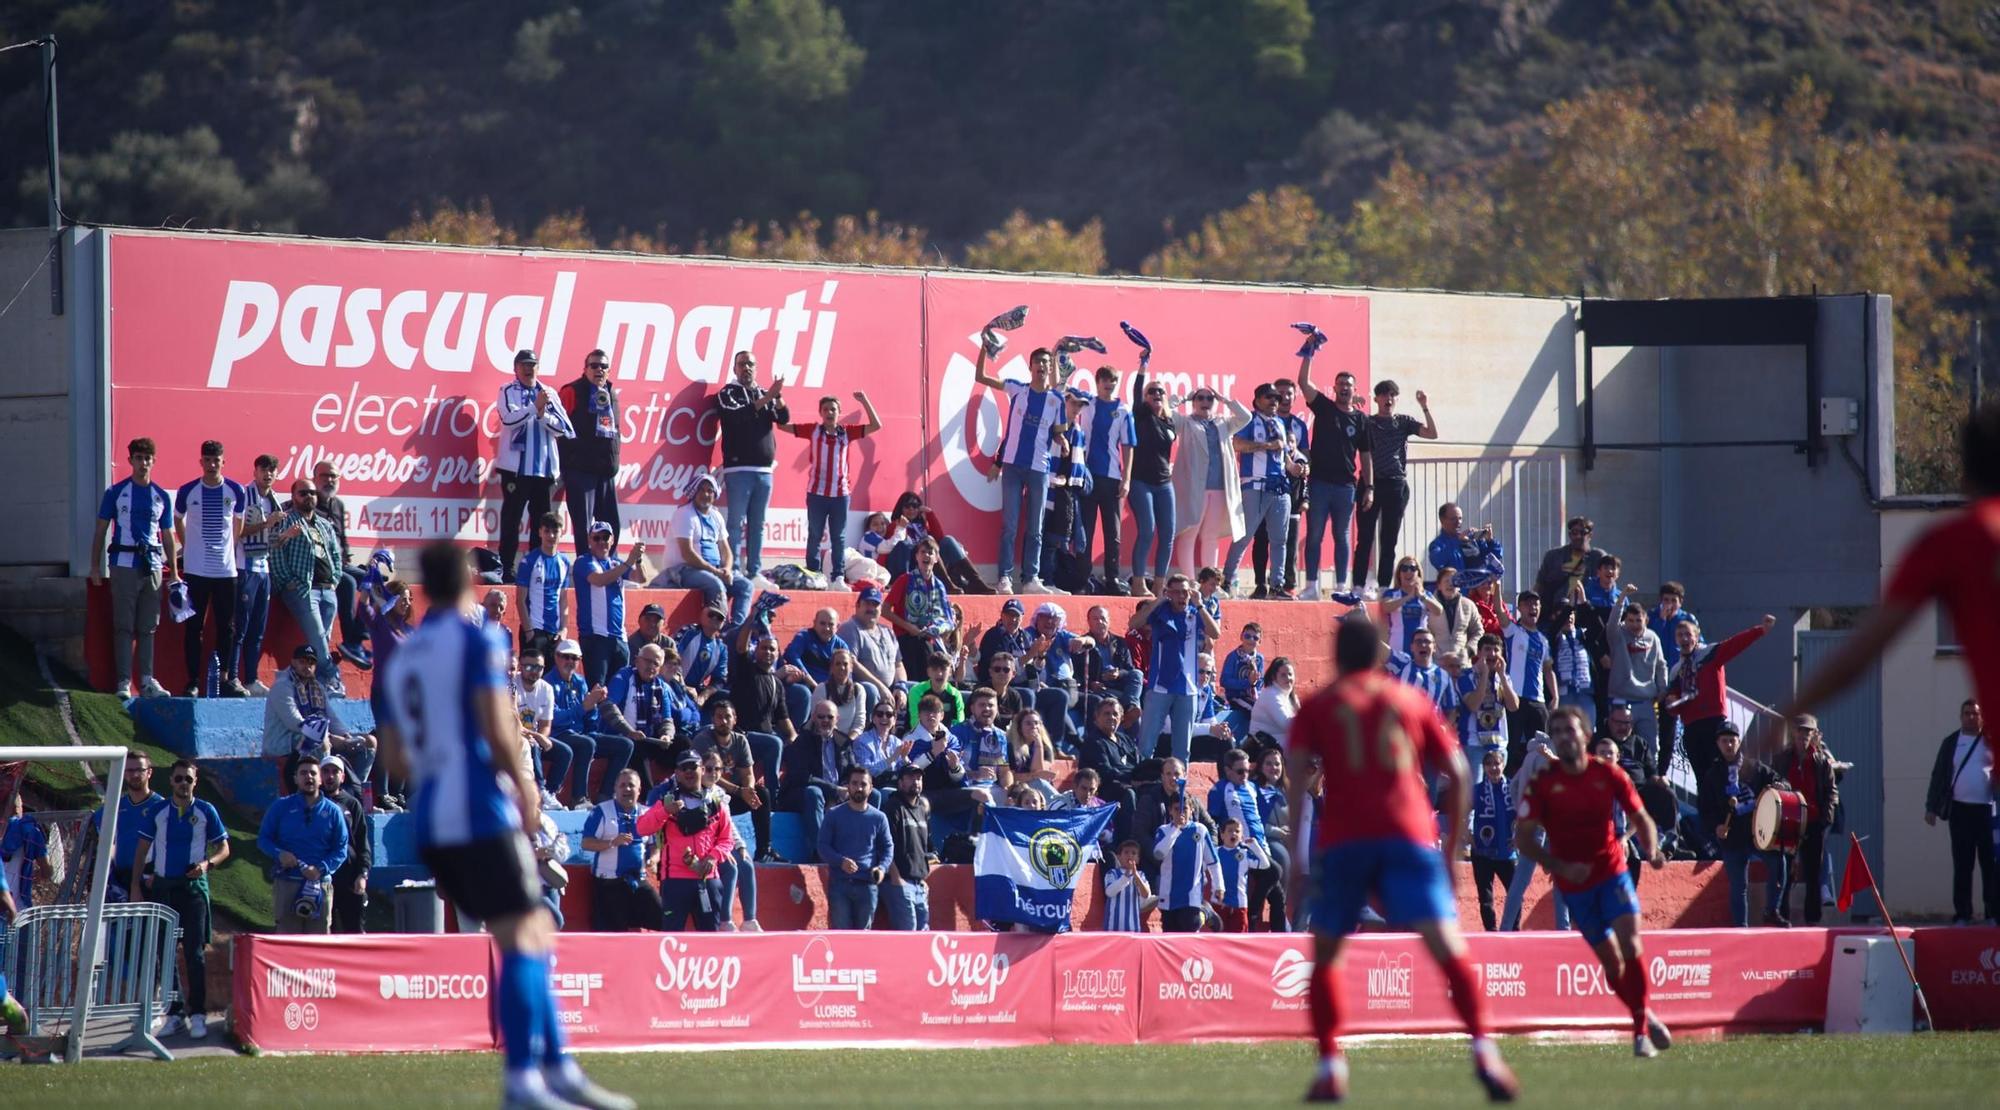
{"x":1207,"y":485}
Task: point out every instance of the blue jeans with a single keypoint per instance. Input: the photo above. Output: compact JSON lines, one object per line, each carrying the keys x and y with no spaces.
{"x":1018,"y":483}
{"x":812,"y":814}
{"x":616,"y":751}
{"x":253,"y":613}
{"x":1152,"y":515}
{"x":1176,"y":711}
{"x":604,"y":656}
{"x":1736,"y":865}
{"x":1328,"y":503}
{"x":739,"y":877}
{"x":826,"y":516}
{"x":1517,"y":892}
{"x":687,"y":576}
{"x":313,"y":610}
{"x":747,"y":493}
{"x":908,"y":906}
{"x":850,"y":905}
{"x":1273,"y":510}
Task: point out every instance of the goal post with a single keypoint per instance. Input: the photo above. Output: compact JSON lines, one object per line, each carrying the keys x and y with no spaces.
{"x":100,"y":874}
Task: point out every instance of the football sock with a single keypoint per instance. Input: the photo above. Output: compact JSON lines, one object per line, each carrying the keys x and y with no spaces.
{"x":524,"y":981}
{"x":1323,"y":1001}
{"x":552,"y":1049}
{"x":1632,"y":991}
{"x":1465,"y":995}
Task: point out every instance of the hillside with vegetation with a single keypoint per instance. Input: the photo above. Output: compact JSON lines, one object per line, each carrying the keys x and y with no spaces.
{"x":1614,"y":147}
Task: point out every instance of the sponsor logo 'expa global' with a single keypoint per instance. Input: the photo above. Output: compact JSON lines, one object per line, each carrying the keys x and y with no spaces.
{"x":1196,"y":983}
{"x":420,"y":988}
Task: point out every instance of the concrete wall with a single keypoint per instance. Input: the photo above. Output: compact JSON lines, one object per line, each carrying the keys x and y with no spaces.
{"x":35,"y":432}
{"x":1922,"y":688}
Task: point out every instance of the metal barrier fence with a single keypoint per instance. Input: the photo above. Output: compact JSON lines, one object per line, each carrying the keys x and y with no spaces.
{"x":1522,"y":497}
{"x":135,"y":969}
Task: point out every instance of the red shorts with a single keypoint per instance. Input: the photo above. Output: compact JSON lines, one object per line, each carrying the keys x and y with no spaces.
{"x":1235,"y":919}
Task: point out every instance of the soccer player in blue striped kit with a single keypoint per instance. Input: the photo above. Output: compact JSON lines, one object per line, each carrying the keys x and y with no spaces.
{"x":453,"y":733}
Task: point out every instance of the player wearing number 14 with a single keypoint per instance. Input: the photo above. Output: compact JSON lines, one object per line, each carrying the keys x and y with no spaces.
{"x":453,"y":732}
{"x":1375,"y":737}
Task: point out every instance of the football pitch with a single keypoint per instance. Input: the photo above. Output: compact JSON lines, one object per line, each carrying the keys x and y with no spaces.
{"x":1952,"y":1069}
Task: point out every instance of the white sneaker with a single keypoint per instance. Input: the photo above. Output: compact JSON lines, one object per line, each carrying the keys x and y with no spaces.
{"x":198,"y":1026}
{"x":149,"y":687}
{"x":1371,"y":595}
{"x":1005,"y":586}
{"x":749,"y":927}
{"x":258,"y":689}
{"x":1311,"y":592}
{"x":168,"y":1026}
{"x":725,"y":926}
{"x":1642,"y":1047}
{"x":579,"y":806}
{"x":567,"y":1082}
{"x":1034,"y":586}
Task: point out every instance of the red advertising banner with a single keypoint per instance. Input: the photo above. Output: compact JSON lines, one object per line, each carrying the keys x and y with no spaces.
{"x":377,"y":993}
{"x":1199,"y":988}
{"x":1960,"y":972}
{"x":1228,"y":339}
{"x":688,"y":990}
{"x":389,"y":360}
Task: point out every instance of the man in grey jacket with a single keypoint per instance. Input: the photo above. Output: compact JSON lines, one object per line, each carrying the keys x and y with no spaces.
{"x":300,"y":721}
{"x":1637,"y":669}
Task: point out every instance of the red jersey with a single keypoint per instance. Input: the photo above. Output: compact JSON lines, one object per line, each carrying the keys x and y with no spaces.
{"x":1958,"y":563}
{"x":1374,"y":737}
{"x":826,"y":469}
{"x":1578,"y":811}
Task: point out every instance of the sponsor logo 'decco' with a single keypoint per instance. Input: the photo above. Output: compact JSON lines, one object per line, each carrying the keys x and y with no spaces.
{"x":426,"y":988}
{"x":1196,"y":983}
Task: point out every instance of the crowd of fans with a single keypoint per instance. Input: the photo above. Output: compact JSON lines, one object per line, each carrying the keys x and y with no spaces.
{"x":890,"y":723}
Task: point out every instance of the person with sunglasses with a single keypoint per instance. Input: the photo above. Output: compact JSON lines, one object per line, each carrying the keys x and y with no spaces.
{"x":590,"y":457}
{"x":1575,"y":561}
{"x":1150,"y":490}
{"x":305,"y":560}
{"x":1208,"y":485}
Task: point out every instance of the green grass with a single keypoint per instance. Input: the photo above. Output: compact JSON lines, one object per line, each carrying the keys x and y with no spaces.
{"x":29,"y":715}
{"x":1944,"y":1070}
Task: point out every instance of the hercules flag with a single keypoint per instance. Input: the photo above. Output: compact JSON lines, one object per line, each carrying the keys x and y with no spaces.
{"x":1026,"y":863}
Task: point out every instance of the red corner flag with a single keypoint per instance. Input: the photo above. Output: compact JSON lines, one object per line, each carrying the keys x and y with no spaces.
{"x":1856,"y":877}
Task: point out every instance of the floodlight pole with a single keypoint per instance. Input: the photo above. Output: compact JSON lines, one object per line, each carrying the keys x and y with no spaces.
{"x":51,"y":136}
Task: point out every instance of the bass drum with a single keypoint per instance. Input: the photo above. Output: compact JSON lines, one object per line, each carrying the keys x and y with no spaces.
{"x":1780,"y":820}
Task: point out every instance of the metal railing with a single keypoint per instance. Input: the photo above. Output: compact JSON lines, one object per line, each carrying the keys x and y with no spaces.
{"x":1522,"y":496}
{"x":135,"y":970}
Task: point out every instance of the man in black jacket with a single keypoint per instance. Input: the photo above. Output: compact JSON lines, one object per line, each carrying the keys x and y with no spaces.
{"x":749,"y":449}
{"x":1115,"y":757}
{"x":1728,"y":807}
{"x":350,"y":883}
{"x":1808,"y":766}
{"x":811,"y":771}
{"x":1960,"y":796}
{"x":590,"y":460}
{"x":905,"y":892}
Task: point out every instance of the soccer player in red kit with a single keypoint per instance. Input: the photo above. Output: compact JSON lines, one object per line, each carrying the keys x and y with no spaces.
{"x":1956,"y":562}
{"x":1374,"y":737}
{"x":1576,"y":799}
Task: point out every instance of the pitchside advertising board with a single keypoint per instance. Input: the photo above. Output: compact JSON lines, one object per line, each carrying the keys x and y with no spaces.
{"x":390,"y":993}
{"x":388,"y":362}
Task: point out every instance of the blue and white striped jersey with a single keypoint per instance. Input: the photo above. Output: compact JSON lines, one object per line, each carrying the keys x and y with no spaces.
{"x":1032,"y":418}
{"x":600,"y":610}
{"x":1187,"y":857}
{"x":208,"y":516}
{"x":136,"y":514}
{"x":628,"y":861}
{"x":253,"y":553}
{"x":1110,"y":427}
{"x":1236,"y":864}
{"x":528,"y":441}
{"x":1227,"y":800}
{"x":542,"y":577}
{"x":1121,"y":901}
{"x":435,"y":679}
{"x":1407,"y":616}
{"x":1527,"y":650}
{"x":704,"y":658}
{"x":1264,"y":468}
{"x":181,"y":837}
{"x":1174,"y":661}
{"x":1436,"y":683}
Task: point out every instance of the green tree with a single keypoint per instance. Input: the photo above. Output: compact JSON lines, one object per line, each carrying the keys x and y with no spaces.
{"x":185,"y":179}
{"x":857,"y":240}
{"x":1622,"y":197}
{"x":1276,"y":236}
{"x":1024,"y":245}
{"x":777,"y":95}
